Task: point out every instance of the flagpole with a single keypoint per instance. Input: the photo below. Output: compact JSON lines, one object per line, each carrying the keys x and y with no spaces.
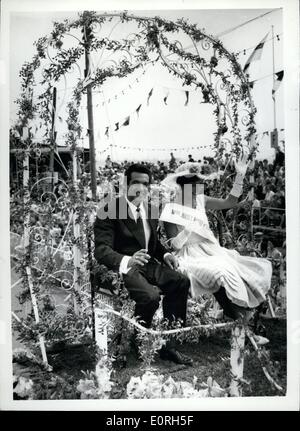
{"x":273,"y":56}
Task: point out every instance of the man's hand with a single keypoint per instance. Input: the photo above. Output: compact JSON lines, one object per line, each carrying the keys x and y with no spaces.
{"x":139,"y":258}
{"x":171,"y":261}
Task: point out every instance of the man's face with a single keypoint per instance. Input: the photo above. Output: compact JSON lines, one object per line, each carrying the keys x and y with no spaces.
{"x":138,"y":188}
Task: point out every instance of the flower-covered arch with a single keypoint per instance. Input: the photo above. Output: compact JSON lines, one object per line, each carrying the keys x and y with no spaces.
{"x":205,"y":66}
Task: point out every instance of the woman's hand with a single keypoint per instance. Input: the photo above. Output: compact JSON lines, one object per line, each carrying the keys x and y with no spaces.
{"x":171,"y":261}
{"x":241,"y":165}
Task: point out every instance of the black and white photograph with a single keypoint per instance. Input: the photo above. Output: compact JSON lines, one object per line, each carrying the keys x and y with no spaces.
{"x":151,"y":182}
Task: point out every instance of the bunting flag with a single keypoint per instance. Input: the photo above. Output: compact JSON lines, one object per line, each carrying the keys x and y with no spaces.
{"x":117,"y":126}
{"x":138,"y":109}
{"x":149,"y":95}
{"x":277,"y":82}
{"x":256,"y":54}
{"x":126,"y":122}
{"x":167,"y":92}
{"x":251,"y":84}
{"x":187,"y":95}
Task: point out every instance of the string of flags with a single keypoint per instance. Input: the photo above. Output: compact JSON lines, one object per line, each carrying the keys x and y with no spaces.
{"x":169,"y":150}
{"x":126,"y":121}
{"x":244,"y":50}
{"x":125,"y":89}
{"x":166,"y":93}
{"x":268,"y":132}
{"x":30,"y":130}
{"x":256,"y":54}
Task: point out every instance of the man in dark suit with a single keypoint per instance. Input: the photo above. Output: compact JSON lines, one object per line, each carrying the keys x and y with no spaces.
{"x":126,"y":240}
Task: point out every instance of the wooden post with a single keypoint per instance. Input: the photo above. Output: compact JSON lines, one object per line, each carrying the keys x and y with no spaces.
{"x":90,"y":116}
{"x":36,"y":315}
{"x":28,"y":269}
{"x":76,"y":232}
{"x":53,"y":137}
{"x":237,"y":359}
{"x":101,"y":322}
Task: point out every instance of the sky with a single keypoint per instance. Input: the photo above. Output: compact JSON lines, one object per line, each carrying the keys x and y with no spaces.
{"x":161,"y":128}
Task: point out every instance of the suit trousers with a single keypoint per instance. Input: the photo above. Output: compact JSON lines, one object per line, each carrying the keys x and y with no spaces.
{"x":145,"y":285}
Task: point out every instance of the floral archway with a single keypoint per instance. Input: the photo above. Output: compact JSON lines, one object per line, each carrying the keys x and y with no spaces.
{"x":205,"y":65}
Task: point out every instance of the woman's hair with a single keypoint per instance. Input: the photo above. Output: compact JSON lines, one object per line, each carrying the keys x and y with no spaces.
{"x":187,"y":180}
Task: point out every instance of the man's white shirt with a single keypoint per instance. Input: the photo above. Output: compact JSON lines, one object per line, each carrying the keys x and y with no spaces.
{"x":147,"y":231}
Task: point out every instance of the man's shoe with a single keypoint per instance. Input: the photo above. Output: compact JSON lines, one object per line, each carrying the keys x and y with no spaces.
{"x":175,"y":356}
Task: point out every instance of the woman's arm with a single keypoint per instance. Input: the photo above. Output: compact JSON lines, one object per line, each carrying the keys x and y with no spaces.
{"x":236,"y":191}
{"x":221,"y":204}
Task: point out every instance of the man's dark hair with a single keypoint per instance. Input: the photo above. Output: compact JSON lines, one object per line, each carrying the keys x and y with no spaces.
{"x":137,"y":167}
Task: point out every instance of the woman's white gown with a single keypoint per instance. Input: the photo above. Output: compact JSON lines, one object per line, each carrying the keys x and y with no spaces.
{"x":210,"y":266}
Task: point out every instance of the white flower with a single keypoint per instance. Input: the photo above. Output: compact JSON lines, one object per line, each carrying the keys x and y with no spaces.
{"x":169,"y":388}
{"x":153,"y":384}
{"x":202,"y":393}
{"x":214,"y":389}
{"x":24,"y":387}
{"x":186,"y":390}
{"x":135,"y":388}
{"x":85,"y":385}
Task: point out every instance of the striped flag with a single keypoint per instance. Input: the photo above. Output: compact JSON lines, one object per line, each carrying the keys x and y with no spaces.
{"x":277,"y":82}
{"x":256,"y":54}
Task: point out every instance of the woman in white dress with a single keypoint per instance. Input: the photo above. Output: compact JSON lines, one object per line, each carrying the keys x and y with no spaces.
{"x":239,"y":283}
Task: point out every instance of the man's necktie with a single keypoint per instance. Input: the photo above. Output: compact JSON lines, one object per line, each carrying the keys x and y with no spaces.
{"x":140,"y":225}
